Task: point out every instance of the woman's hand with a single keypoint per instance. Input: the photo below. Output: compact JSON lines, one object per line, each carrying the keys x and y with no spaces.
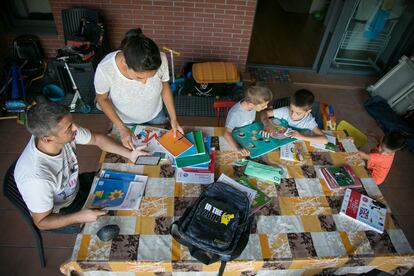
{"x":176,"y":127}
{"x":127,"y":138}
{"x":138,"y":151}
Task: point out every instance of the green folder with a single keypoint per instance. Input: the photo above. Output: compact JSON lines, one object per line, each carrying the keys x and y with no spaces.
{"x":265,"y":172}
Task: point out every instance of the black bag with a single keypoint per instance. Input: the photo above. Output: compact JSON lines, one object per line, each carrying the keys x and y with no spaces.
{"x":86,"y":40}
{"x":217,"y":225}
{"x":28,"y":51}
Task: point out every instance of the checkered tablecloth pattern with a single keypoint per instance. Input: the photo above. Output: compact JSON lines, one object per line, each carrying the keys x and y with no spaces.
{"x":299,"y":232}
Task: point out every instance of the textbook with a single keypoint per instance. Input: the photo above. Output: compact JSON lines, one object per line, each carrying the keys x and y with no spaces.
{"x":197,"y":175}
{"x":202,"y":156}
{"x":364,"y":210}
{"x":122,"y":176}
{"x":292,"y":152}
{"x":114,"y":194}
{"x":174,"y":145}
{"x":340,"y":177}
{"x":207,"y":145}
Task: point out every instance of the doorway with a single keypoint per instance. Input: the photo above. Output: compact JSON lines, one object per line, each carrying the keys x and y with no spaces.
{"x":287,"y":33}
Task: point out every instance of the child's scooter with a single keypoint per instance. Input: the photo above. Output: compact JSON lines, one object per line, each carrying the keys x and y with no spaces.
{"x":83,"y":107}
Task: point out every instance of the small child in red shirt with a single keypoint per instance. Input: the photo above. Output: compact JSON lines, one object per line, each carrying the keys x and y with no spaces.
{"x":380,"y":159}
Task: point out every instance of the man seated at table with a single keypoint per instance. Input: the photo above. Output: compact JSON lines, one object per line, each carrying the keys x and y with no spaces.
{"x":46,"y":173}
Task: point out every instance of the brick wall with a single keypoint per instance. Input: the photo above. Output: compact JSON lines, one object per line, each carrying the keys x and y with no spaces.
{"x":202,"y":30}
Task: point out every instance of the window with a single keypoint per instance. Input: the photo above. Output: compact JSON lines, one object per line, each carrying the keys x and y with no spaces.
{"x":27,"y":16}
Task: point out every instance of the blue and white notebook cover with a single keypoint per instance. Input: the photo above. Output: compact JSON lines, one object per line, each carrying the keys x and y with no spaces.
{"x":112,"y":194}
{"x":121,"y":176}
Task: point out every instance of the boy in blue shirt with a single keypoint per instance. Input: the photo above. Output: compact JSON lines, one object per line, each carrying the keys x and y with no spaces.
{"x":244,"y":113}
{"x":298,"y":115}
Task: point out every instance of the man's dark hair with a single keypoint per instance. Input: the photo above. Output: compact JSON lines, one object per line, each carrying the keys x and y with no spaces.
{"x":43,"y":117}
{"x":394,"y":140}
{"x":303,"y":98}
{"x":140,"y":52}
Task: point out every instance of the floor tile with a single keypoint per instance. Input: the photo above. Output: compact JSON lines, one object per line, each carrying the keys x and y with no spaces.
{"x":25,"y":261}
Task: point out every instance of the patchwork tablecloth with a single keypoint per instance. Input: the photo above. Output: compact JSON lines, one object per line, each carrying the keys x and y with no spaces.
{"x":299,"y":232}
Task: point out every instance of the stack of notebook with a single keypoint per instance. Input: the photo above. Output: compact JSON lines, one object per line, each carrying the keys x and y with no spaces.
{"x":191,"y":154}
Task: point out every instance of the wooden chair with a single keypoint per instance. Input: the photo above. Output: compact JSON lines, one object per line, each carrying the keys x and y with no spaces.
{"x":222,"y":108}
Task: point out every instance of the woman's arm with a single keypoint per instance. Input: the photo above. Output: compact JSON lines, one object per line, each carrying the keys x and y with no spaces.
{"x":167,"y":97}
{"x":105,"y":103}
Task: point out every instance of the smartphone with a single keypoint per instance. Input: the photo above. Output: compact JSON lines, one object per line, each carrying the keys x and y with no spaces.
{"x":148,"y":160}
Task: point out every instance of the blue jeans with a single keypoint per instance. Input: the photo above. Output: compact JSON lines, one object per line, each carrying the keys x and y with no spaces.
{"x":161,"y":118}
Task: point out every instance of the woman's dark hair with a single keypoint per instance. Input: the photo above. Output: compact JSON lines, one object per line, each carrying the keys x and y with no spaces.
{"x":140,"y":52}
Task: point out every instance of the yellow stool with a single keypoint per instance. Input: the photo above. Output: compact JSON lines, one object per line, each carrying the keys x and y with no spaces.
{"x":359,"y":137}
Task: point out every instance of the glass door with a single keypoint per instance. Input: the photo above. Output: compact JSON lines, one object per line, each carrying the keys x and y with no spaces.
{"x":366,"y":35}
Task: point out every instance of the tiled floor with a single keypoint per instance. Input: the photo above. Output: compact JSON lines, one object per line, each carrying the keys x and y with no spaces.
{"x":18,"y":255}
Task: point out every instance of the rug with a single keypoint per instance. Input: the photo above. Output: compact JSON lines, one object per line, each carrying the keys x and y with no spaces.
{"x":269,"y":75}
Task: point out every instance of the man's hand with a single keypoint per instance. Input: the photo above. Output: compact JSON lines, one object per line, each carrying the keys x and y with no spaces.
{"x":127,"y":138}
{"x":90,"y":215}
{"x":139,"y":150}
{"x":176,"y":127}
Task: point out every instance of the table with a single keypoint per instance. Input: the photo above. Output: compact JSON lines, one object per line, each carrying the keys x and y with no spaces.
{"x":299,"y":232}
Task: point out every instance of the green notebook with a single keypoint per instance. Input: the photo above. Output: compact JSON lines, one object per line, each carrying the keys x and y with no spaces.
{"x":201,"y":157}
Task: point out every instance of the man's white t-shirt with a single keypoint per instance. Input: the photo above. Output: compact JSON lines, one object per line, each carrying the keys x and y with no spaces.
{"x":134,"y":102}
{"x":49,"y":182}
{"x":307,"y":122}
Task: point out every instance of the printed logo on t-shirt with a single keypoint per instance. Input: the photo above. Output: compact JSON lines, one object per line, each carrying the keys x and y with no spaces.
{"x":70,"y":173}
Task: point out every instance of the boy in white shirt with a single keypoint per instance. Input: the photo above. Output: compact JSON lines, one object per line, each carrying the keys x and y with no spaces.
{"x":298,"y":115}
{"x":244,"y":113}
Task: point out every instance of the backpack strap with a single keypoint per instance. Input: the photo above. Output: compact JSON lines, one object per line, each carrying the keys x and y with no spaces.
{"x":203,"y":256}
{"x":222,"y":267}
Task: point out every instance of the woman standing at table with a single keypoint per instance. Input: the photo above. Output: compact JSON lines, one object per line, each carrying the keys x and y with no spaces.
{"x":132,"y":84}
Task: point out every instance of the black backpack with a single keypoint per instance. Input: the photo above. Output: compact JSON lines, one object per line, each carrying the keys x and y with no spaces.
{"x":217,"y":225}
{"x":28,"y":52}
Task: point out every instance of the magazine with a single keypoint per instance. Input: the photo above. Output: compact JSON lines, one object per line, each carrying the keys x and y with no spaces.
{"x":148,"y":135}
{"x":117,"y":194}
{"x":364,"y":209}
